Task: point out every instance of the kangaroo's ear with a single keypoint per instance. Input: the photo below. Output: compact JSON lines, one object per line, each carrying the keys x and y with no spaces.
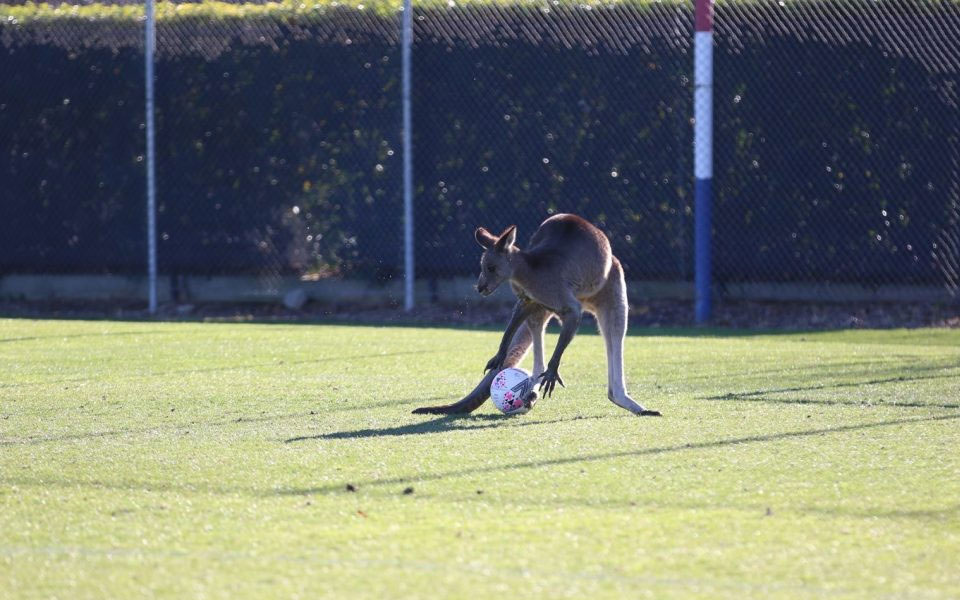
{"x":484,"y":238}
{"x":507,"y":238}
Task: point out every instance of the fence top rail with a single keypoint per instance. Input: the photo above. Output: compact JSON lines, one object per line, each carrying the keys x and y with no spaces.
{"x":923,"y":30}
{"x":167,"y":10}
{"x":13,"y":12}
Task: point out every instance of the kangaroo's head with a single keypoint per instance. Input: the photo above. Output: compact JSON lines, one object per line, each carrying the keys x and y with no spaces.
{"x":495,"y":265}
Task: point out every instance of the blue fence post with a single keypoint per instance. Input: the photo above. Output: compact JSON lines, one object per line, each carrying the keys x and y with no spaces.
{"x":702,"y":155}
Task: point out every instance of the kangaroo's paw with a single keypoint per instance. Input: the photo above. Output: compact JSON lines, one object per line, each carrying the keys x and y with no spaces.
{"x":548,"y":380}
{"x":495,"y":363}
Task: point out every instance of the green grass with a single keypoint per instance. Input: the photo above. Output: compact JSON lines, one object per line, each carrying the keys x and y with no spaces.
{"x":211,"y":460}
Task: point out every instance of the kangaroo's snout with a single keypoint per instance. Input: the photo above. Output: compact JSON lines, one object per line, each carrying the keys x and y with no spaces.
{"x":487,"y":285}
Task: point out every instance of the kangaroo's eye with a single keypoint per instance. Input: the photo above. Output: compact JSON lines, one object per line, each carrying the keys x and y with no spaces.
{"x":491,"y":269}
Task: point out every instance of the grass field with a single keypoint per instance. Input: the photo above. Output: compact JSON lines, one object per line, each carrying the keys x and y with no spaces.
{"x":213,"y":461}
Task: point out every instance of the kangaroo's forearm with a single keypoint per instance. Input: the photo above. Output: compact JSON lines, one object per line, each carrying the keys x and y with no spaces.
{"x":571,"y":322}
{"x":520,"y":313}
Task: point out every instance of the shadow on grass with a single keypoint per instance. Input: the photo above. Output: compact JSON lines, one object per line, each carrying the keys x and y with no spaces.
{"x":82,"y":335}
{"x":178,"y":427}
{"x":192,"y":425}
{"x":760,"y":395}
{"x":811,"y":401}
{"x":536,"y":464}
{"x":442,"y":424}
{"x":281,"y":363}
{"x":833,"y":369}
{"x":192,"y":488}
{"x":932,"y":514}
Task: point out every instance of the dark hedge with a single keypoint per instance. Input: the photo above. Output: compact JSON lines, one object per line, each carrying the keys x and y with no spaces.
{"x":834,"y":160}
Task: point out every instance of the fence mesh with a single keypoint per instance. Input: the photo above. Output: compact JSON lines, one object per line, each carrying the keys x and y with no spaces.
{"x":837,"y":137}
{"x":837,"y":142}
{"x":73,"y":144}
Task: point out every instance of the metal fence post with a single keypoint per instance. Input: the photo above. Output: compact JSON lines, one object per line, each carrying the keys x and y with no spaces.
{"x":703,"y":154}
{"x":408,"y":270}
{"x":149,"y":47}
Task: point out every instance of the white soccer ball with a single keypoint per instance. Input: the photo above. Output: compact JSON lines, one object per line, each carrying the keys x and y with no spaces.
{"x":509,"y":389}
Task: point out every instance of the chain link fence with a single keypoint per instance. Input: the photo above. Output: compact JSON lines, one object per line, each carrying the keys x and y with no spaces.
{"x":837,"y":143}
{"x":836,"y":136}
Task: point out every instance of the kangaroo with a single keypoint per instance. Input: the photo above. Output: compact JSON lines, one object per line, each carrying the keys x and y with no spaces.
{"x":567,"y":268}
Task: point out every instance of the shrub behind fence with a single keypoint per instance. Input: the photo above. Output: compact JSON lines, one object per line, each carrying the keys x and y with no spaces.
{"x":837,"y":137}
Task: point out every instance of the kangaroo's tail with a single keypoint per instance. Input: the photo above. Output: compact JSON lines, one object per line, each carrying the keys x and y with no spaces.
{"x":519,"y":346}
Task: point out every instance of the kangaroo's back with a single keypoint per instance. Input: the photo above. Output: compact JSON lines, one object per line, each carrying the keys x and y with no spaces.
{"x":571,"y":248}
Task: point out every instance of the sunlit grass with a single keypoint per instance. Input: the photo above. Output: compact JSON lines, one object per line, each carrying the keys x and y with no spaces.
{"x":143,"y":459}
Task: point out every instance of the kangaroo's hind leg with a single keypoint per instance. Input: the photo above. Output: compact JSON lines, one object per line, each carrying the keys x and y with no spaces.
{"x":611,"y":312}
{"x":537,"y":324}
{"x":519,"y":345}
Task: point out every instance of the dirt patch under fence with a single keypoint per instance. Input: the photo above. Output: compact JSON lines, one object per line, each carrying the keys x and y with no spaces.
{"x":655,"y":314}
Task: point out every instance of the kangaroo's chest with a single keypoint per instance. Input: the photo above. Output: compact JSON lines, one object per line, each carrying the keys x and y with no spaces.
{"x":525,"y":296}
{"x":551,"y":302}
{"x":521,"y":293}
{"x":553,"y":297}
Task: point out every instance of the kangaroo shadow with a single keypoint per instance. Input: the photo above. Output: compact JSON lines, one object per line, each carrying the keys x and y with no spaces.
{"x":443,"y":424}
{"x":632,"y":453}
{"x":478,"y":470}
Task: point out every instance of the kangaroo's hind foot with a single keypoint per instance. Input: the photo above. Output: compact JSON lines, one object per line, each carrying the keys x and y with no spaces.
{"x":630,"y":404}
{"x":531,"y":399}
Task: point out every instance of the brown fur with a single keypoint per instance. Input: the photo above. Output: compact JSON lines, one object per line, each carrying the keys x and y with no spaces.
{"x":567,"y":268}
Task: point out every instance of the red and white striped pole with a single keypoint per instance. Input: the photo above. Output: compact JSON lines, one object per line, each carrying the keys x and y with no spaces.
{"x":702,"y":154}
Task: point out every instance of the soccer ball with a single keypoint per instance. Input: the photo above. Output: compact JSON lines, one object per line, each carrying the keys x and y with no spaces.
{"x":509,"y":389}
